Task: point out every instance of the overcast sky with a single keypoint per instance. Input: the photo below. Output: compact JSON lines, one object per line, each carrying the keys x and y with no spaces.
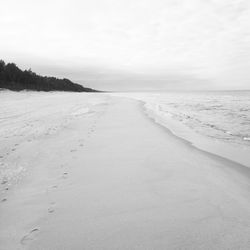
{"x":131,"y":44}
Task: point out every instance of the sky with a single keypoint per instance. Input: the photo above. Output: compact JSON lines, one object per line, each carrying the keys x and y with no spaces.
{"x":131,"y":44}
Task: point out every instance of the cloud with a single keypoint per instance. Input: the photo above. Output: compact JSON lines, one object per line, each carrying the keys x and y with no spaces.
{"x":205,"y":38}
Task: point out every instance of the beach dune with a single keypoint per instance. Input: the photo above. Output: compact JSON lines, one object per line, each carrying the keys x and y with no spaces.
{"x":100,"y":174}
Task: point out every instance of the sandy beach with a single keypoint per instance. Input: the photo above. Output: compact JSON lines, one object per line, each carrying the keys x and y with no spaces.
{"x":93,"y":171}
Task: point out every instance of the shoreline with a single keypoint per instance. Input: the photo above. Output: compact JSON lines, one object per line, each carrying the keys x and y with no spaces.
{"x":239,"y":154}
{"x":215,"y":147}
{"x":241,"y":168}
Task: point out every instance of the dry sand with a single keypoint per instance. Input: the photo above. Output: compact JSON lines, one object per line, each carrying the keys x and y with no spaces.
{"x":97,"y":173}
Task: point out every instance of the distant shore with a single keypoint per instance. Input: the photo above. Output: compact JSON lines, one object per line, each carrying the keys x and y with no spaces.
{"x":13,"y":78}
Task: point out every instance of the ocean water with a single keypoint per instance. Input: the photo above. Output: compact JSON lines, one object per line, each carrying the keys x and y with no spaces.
{"x":223,"y":116}
{"x":205,"y":119}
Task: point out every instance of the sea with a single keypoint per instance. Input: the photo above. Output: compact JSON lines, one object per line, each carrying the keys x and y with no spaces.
{"x":209,"y":120}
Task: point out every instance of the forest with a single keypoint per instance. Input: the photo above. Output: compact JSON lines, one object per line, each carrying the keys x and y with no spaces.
{"x":13,"y":78}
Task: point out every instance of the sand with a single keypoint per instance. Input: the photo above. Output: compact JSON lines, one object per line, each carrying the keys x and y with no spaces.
{"x":97,"y":173}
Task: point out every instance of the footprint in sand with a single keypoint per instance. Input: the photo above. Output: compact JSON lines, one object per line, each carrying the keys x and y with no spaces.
{"x":30,"y":236}
{"x":81,"y":141}
{"x":51,"y":210}
{"x":4,"y":181}
{"x":65,"y":175}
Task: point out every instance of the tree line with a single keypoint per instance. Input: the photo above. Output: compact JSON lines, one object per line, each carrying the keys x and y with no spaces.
{"x":13,"y":78}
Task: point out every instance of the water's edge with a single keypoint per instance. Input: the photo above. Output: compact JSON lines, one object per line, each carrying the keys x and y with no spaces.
{"x":217,"y":148}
